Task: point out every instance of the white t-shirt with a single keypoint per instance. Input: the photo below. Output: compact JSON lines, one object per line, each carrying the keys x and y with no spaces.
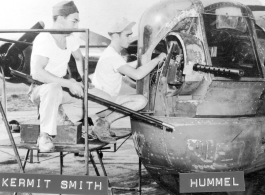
{"x":45,"y":45}
{"x":106,"y":76}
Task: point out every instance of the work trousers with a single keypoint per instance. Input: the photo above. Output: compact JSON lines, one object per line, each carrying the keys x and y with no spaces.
{"x":50,"y":96}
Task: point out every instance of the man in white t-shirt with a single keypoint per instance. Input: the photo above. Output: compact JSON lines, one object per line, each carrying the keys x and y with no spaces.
{"x":49,"y":60}
{"x":111,"y":66}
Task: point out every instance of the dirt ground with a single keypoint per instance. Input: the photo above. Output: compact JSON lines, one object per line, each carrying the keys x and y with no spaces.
{"x":122,"y":166}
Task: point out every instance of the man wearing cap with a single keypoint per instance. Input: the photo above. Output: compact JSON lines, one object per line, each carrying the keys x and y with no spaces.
{"x":49,"y":61}
{"x":111,"y":66}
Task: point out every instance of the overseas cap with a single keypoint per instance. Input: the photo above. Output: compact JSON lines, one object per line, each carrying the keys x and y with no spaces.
{"x":64,"y":8}
{"x":121,"y":25}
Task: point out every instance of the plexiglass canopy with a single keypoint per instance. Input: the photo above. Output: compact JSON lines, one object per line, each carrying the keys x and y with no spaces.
{"x":157,"y":21}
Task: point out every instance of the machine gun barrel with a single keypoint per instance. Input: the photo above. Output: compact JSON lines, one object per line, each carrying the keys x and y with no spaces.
{"x":131,"y":113}
{"x":106,"y":103}
{"x":218,"y":70}
{"x":24,"y":76}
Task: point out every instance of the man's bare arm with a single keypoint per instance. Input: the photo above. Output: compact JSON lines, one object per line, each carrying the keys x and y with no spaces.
{"x":39,"y":73}
{"x":79,"y":59}
{"x":79,"y":62}
{"x":142,"y":71}
{"x":133,"y":64}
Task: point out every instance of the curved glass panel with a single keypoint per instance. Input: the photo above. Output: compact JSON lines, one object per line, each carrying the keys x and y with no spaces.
{"x":245,"y":2}
{"x":231,"y":44}
{"x":257,"y":8}
{"x":157,"y":20}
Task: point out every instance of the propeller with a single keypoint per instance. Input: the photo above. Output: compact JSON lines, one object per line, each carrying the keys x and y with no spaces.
{"x":11,"y":54}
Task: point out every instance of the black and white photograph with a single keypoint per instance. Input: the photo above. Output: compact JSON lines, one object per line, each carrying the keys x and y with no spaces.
{"x":148,"y":97}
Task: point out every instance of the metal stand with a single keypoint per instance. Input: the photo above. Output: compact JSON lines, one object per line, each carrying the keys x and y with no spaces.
{"x":61,"y":163}
{"x":137,"y":189}
{"x":85,"y":100}
{"x":112,"y":188}
{"x":86,"y":97}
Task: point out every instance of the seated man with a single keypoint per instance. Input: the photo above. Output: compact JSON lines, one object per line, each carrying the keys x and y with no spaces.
{"x":111,"y":66}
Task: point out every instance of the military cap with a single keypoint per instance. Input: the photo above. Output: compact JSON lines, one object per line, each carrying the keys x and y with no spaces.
{"x":64,"y":8}
{"x":120,"y":25}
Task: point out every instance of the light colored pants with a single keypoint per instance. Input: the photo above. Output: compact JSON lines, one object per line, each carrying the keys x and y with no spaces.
{"x":50,"y":96}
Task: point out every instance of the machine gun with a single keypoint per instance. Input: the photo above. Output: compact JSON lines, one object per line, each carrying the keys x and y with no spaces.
{"x":218,"y":70}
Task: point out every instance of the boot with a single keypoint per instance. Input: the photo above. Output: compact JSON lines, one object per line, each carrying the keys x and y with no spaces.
{"x":101,"y":130}
{"x":45,"y":142}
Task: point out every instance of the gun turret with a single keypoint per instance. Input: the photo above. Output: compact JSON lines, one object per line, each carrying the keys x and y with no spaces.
{"x":218,"y":70}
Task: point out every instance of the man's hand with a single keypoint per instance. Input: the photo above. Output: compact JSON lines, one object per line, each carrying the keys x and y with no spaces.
{"x":89,"y":83}
{"x":76,"y":88}
{"x":91,"y":86}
